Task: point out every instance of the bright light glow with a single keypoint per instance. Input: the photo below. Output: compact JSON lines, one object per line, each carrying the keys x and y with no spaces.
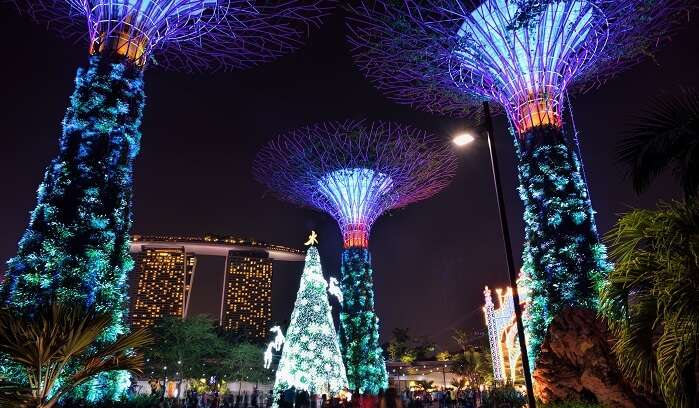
{"x":275,"y":345}
{"x":463,"y":139}
{"x":334,"y":289}
{"x":357,"y":195}
{"x":131,"y":28}
{"x":527,"y":63}
{"x":311,"y":359}
{"x":502,"y":331}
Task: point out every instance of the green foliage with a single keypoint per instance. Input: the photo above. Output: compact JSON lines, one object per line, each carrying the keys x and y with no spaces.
{"x":311,"y":359}
{"x":192,"y":348}
{"x":459,"y":383}
{"x":183,"y":345}
{"x":57,"y":350}
{"x":76,"y":247}
{"x":665,"y":136}
{"x":475,"y":365}
{"x":564,"y":261}
{"x":652,"y":299}
{"x":407,"y":348}
{"x":359,"y":326}
{"x":504,"y":395}
{"x":425,"y":385}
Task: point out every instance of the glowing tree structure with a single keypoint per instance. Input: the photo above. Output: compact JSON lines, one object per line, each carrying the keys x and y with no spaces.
{"x":356,"y":171}
{"x":447,"y":56}
{"x":311,"y":359}
{"x":76,"y":248}
{"x":502,"y":332}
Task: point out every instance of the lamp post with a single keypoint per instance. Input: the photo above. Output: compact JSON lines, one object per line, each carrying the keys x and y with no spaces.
{"x":486,"y":129}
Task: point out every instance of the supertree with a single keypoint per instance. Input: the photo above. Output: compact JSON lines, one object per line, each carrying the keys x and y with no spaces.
{"x":448,"y":56}
{"x":355,"y":171}
{"x":75,"y":249}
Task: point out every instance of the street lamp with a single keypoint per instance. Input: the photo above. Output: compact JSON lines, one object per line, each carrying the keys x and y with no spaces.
{"x":486,"y":130}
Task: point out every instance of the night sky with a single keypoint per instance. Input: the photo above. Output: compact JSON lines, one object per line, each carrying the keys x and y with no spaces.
{"x":201,"y":132}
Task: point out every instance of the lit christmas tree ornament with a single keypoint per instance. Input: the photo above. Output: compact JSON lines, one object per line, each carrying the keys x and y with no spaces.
{"x":356,"y":171}
{"x":448,"y":56}
{"x":311,"y":359}
{"x":76,"y":247}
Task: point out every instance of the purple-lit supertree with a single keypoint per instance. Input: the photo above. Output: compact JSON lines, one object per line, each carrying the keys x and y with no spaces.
{"x":76,"y":247}
{"x":446,"y":56}
{"x":356,"y":171}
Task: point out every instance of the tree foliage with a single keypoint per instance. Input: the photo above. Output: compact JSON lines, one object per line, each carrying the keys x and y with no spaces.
{"x":666,"y":136}
{"x":56,"y":350}
{"x":193,"y":348}
{"x":652,"y":299}
{"x":406,"y":348}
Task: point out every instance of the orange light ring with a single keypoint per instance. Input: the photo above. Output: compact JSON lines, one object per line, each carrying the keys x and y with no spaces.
{"x":355,"y":235}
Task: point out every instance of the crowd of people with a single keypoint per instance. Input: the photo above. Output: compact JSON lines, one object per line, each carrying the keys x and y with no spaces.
{"x":448,"y":398}
{"x":291,"y":398}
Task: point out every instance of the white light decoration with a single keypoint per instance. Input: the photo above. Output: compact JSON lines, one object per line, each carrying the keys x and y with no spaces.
{"x":275,"y":345}
{"x":502,"y":332}
{"x":334,"y":289}
{"x":311,"y":359}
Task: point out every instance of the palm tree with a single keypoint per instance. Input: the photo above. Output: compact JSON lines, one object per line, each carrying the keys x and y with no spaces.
{"x":425,"y":385}
{"x":459,"y":383}
{"x":652,"y":299}
{"x":57,"y":337}
{"x":666,"y":136}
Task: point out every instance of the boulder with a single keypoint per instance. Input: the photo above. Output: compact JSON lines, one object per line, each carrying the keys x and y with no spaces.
{"x":576,"y":363}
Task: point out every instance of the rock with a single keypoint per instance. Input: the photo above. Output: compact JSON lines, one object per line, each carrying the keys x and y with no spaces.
{"x":576,"y":363}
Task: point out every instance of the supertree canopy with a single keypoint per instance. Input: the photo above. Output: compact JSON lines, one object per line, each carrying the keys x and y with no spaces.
{"x":527,"y":55}
{"x":76,"y":247}
{"x":356,"y":171}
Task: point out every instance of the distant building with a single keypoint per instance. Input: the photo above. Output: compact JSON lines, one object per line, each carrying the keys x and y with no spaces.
{"x":165,"y":271}
{"x":164,"y":279}
{"x":246,"y":301}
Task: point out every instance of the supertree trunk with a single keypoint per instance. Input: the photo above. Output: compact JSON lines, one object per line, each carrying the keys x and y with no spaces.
{"x":76,"y":247}
{"x":359,"y":326}
{"x":564,"y":261}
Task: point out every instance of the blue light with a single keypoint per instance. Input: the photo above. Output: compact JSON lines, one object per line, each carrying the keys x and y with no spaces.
{"x":521,"y":56}
{"x":358,"y":196}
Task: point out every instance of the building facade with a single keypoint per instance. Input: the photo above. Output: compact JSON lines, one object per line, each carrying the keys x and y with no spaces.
{"x":165,"y":269}
{"x":164,"y":278}
{"x":246,"y":301}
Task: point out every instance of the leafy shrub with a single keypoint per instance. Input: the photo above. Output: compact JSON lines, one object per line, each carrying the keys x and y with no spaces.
{"x":505,"y":396}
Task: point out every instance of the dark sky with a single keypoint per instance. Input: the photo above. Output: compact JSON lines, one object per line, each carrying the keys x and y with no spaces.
{"x":201,"y":132}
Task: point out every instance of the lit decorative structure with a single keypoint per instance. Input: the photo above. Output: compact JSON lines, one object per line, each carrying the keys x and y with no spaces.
{"x":448,"y":56}
{"x":356,"y":171}
{"x":311,"y":359}
{"x":273,"y":346}
{"x":502,"y":332}
{"x":76,"y":246}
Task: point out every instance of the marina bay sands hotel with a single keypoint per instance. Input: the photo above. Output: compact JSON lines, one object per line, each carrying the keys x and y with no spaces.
{"x":166,"y":268}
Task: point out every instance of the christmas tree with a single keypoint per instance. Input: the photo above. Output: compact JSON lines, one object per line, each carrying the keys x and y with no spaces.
{"x":311,"y":359}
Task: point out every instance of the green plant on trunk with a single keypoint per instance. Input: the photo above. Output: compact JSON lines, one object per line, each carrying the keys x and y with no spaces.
{"x":57,"y":349}
{"x":651,"y":299}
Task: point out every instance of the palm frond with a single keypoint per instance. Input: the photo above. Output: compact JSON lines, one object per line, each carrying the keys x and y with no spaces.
{"x":59,"y":336}
{"x":665,"y":135}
